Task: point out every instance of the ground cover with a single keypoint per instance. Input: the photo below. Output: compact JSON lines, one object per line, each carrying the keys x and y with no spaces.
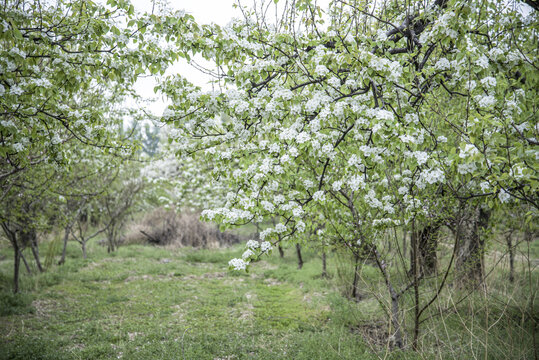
{"x":145,"y":302}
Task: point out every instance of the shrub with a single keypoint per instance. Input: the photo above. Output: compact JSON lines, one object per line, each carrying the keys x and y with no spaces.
{"x":168,"y":228}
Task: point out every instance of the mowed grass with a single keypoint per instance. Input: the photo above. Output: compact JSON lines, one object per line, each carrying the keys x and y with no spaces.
{"x":145,"y":302}
{"x":149,"y":303}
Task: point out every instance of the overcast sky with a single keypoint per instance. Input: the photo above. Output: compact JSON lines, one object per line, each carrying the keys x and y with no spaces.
{"x":205,"y":12}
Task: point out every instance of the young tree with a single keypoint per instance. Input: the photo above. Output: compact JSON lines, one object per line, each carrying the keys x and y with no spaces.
{"x":64,"y":68}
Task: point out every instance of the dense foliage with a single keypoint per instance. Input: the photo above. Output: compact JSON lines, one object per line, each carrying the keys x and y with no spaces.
{"x":372,"y":117}
{"x":344,"y":128}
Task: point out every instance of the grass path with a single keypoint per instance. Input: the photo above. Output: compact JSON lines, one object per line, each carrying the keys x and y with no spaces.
{"x":146,"y":302}
{"x":150,"y":303}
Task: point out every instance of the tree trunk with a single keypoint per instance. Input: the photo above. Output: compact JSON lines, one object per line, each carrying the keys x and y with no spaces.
{"x":83,"y":246}
{"x":257,"y":224}
{"x":110,"y":236}
{"x":12,"y":236}
{"x":404,"y":242}
{"x":16,"y":268}
{"x":471,"y":245}
{"x":281,"y":251}
{"x":416,"y":264}
{"x":397,"y":332}
{"x":28,"y":270}
{"x":355,"y":292}
{"x":509,"y":241}
{"x":35,"y":250}
{"x":427,"y":244}
{"x":300,"y":260}
{"x":324,"y":265}
{"x":67,"y":230}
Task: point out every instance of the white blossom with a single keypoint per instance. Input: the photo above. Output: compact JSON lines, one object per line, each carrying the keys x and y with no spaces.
{"x":321,"y":70}
{"x":238,"y":264}
{"x":265,"y":246}
{"x":503,"y":196}
{"x":247,"y":254}
{"x":488,"y":82}
{"x":252,"y":244}
{"x":269,"y":207}
{"x":482,"y":61}
{"x":280,"y":228}
{"x":442,"y":64}
{"x":318,"y":196}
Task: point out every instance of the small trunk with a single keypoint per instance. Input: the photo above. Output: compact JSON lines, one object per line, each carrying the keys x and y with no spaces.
{"x":16,"y":268}
{"x":397,"y":332}
{"x":66,"y":238}
{"x":471,"y":244}
{"x":427,"y":244}
{"x":355,"y":292}
{"x":110,"y":238}
{"x":300,"y":260}
{"x":415,"y":267}
{"x":12,"y":236}
{"x":35,"y":250}
{"x":110,"y":247}
{"x":404,"y":242}
{"x":83,"y":245}
{"x":25,"y":263}
{"x":281,"y":251}
{"x":509,"y":240}
{"x":324,"y":265}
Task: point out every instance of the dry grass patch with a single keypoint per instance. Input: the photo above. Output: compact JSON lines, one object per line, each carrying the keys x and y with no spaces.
{"x":168,"y":228}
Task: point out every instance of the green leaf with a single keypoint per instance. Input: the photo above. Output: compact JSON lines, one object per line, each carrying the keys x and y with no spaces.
{"x":16,"y":31}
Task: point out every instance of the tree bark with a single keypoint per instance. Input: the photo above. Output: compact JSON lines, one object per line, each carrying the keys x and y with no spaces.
{"x":355,"y":292}
{"x":83,"y":245}
{"x":28,"y":270}
{"x":427,"y":245}
{"x":67,"y":230}
{"x":110,"y":236}
{"x":509,"y":241}
{"x":300,"y":259}
{"x":324,"y":265}
{"x":397,"y":332}
{"x":281,"y":251}
{"x":12,"y":236}
{"x":16,"y":268}
{"x":35,"y":249}
{"x":404,"y":242}
{"x":471,"y":245}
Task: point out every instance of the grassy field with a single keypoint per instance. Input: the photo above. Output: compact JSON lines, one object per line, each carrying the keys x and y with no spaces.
{"x":146,"y":302}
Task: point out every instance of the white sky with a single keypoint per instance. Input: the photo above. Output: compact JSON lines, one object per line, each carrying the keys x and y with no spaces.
{"x":205,"y":12}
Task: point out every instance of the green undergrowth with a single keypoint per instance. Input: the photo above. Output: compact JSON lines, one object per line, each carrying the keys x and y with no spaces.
{"x":145,"y":302}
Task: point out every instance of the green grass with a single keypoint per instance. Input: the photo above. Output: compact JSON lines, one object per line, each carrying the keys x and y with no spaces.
{"x":152,"y":303}
{"x":145,"y":302}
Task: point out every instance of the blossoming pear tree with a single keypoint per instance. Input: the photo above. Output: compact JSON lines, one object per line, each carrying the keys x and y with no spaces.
{"x":65,"y":69}
{"x":56,"y":56}
{"x":375,"y":116}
